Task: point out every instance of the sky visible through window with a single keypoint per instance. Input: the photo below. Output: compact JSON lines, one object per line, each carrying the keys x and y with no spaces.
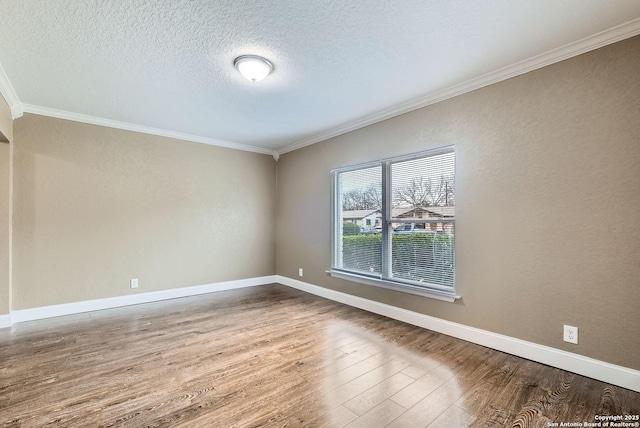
{"x":434,"y":171}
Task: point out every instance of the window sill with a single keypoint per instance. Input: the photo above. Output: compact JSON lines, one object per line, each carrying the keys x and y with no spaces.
{"x":397,"y":286}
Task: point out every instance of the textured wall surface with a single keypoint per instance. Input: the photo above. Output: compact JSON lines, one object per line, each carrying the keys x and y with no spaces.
{"x":6,"y":134}
{"x":4,"y":228}
{"x":6,"y":122}
{"x":547,"y":203}
{"x":95,"y":207}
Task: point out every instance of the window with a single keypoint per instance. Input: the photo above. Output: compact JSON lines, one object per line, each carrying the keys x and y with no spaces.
{"x":413,"y":250}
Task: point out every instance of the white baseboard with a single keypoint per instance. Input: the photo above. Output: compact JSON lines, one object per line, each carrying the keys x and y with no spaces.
{"x":596,"y":369}
{"x":600,"y":370}
{"x":133,"y":299}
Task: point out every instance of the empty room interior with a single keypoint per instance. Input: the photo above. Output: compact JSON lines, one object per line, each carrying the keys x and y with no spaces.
{"x":319,"y":214}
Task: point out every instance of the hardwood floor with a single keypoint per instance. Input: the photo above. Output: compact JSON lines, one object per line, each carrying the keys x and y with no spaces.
{"x":274,"y":356}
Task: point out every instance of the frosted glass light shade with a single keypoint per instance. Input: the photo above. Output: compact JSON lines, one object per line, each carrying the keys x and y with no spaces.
{"x":253,"y":67}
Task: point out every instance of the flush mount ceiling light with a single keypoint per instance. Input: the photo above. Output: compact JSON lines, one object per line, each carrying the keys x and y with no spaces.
{"x":253,"y":67}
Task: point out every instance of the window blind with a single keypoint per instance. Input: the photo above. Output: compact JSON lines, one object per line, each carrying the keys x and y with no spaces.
{"x":394,"y":220}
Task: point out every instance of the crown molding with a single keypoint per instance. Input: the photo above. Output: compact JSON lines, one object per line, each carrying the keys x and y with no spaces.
{"x":93,"y":120}
{"x":598,"y":40}
{"x":17,"y":111}
{"x":9,"y":94}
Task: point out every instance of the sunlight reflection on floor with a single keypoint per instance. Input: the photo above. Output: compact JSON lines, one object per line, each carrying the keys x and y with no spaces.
{"x":372,"y":382}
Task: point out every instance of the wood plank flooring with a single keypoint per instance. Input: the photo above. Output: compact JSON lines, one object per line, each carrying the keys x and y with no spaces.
{"x":273,"y":356}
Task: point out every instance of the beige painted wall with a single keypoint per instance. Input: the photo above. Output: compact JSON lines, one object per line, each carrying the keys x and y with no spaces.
{"x":6,"y":135}
{"x":548,"y":203}
{"x":4,"y":228}
{"x":94,"y":207}
{"x":6,"y":122}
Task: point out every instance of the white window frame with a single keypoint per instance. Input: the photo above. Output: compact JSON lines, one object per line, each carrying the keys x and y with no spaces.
{"x":384,"y":280}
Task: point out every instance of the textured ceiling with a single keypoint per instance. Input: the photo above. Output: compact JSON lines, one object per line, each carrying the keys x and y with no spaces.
{"x":168,"y":64}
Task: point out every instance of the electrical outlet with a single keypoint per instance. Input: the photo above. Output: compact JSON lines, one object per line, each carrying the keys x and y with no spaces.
{"x":134,"y":283}
{"x":300,"y":272}
{"x":571,"y":334}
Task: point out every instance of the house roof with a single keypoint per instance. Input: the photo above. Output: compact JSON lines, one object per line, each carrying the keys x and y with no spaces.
{"x":448,"y":211}
{"x":358,"y":213}
{"x":402,"y":212}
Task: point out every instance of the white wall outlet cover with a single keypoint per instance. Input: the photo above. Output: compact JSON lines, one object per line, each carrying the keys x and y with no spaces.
{"x":134,"y":283}
{"x":570,"y":334}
